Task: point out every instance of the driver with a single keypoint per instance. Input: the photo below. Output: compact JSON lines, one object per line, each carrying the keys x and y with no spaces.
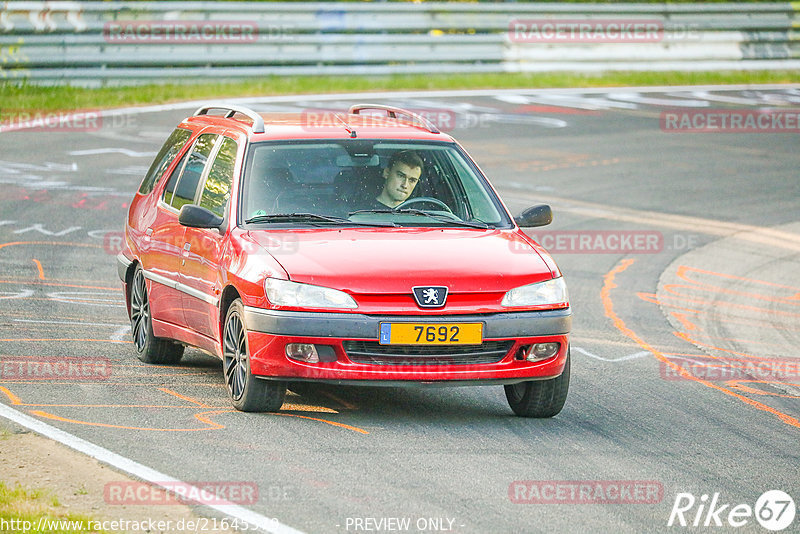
{"x":401,"y":176}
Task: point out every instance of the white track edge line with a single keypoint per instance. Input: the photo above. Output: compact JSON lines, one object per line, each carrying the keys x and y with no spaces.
{"x":138,"y":470}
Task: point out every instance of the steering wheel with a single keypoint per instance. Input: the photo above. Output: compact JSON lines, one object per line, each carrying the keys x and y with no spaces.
{"x":418,"y":200}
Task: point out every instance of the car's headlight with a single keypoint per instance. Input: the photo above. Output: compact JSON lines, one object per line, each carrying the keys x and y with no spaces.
{"x":286,"y":293}
{"x":548,"y":293}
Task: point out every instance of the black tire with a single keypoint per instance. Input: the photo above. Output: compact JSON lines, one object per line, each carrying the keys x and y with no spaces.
{"x":539,"y":398}
{"x":247,"y":392}
{"x":149,"y":348}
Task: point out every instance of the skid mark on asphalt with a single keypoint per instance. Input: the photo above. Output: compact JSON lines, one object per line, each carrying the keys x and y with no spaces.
{"x":633,"y":356}
{"x":779,"y":239}
{"x":684,"y":271}
{"x":189,"y":403}
{"x":609,"y":283}
{"x":539,"y":160}
{"x":120,"y":333}
{"x":204,"y":416}
{"x":695,"y":341}
{"x":184,"y":397}
{"x":67,"y":323}
{"x":48,"y":339}
{"x":342,"y":425}
{"x":681,"y":302}
{"x":688,"y":320}
{"x":123,"y":151}
{"x":743,"y":357}
{"x":707,"y":297}
{"x":740,"y":386}
{"x":60,"y":284}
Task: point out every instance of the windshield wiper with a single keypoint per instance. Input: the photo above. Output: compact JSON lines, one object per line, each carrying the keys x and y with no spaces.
{"x":435,"y":216}
{"x":311,"y":218}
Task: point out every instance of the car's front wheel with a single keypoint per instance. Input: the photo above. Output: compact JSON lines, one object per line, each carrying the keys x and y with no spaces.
{"x":539,"y":398}
{"x":149,"y":348}
{"x":248,"y":393}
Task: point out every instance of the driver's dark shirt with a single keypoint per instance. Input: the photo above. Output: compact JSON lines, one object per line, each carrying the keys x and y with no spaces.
{"x":370,"y":204}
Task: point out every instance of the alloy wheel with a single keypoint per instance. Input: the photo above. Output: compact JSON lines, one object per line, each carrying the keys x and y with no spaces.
{"x":235,"y":356}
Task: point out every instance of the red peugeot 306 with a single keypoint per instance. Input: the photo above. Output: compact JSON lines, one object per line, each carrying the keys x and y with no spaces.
{"x":362,"y":248}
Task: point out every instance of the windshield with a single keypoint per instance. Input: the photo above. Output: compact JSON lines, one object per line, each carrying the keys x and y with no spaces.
{"x":356,"y":182}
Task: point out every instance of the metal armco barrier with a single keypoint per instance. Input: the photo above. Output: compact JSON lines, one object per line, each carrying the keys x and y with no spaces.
{"x":114,"y":43}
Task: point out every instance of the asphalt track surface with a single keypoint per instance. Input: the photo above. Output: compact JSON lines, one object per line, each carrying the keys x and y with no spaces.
{"x":716,"y":287}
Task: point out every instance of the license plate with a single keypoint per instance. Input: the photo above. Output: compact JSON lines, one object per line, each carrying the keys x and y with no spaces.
{"x":431,"y":333}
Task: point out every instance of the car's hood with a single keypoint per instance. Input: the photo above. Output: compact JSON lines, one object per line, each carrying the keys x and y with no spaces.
{"x":368,"y":260}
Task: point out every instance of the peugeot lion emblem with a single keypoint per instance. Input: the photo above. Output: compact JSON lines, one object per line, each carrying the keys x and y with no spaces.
{"x":430,"y":296}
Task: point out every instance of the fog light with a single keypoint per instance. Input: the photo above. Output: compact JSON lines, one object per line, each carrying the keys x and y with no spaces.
{"x":305,"y":352}
{"x":542,"y":351}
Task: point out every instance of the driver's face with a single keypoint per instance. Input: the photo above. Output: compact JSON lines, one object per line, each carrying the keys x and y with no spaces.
{"x":400,"y":182}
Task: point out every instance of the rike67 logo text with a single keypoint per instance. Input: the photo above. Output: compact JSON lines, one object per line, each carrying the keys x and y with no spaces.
{"x":774,"y":510}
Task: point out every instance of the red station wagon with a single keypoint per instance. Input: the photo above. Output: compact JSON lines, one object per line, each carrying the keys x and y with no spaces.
{"x":358,"y":248}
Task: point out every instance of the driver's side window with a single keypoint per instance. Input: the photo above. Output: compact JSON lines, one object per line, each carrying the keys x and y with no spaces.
{"x":217,"y":189}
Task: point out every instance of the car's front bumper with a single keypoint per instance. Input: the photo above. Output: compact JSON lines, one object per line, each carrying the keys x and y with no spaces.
{"x":269,"y":331}
{"x":361,"y":326}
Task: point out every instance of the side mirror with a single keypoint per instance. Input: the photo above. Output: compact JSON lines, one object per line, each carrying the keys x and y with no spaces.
{"x":540,"y":215}
{"x":196,"y":217}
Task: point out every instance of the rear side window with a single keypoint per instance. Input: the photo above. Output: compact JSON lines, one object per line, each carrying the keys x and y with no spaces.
{"x":217,"y":189}
{"x":165,"y":156}
{"x":189,"y":179}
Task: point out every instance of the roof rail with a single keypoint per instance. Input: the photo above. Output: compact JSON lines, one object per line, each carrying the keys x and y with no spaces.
{"x":393,"y":112}
{"x":258,"y":120}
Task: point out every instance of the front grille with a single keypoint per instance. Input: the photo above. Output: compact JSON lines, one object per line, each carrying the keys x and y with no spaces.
{"x":372,"y":352}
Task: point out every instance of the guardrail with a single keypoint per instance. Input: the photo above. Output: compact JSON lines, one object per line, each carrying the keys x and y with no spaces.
{"x":100,"y":43}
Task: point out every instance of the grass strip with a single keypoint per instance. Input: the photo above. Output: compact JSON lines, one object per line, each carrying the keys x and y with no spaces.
{"x":16,"y":97}
{"x":24,"y":510}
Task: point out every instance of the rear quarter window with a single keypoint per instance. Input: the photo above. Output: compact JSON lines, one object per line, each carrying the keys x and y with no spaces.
{"x":186,"y":188}
{"x":166,"y":155}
